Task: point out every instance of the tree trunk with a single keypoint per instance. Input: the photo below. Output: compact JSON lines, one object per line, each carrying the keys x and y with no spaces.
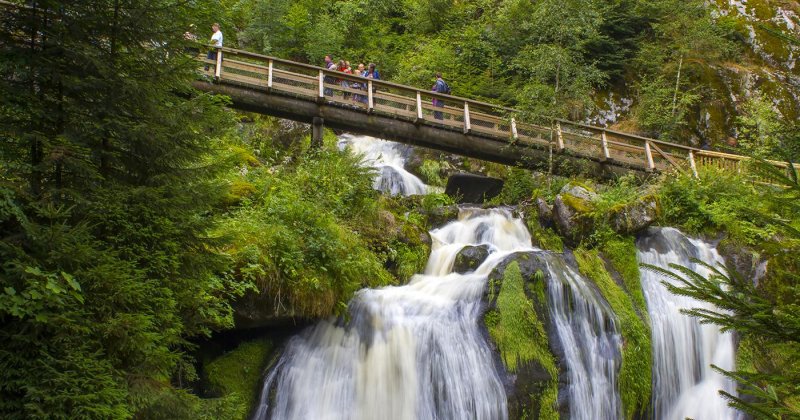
{"x":677,"y":84}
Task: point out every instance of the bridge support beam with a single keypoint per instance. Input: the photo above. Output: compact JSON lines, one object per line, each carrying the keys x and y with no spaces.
{"x":317,"y":126}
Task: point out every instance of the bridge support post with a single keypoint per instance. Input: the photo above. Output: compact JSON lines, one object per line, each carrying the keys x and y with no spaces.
{"x":316,"y":132}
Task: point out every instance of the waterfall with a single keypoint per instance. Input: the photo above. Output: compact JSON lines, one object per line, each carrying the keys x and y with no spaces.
{"x":591,"y":346}
{"x":408,"y":352}
{"x":684,"y":385}
{"x":389,"y":159}
{"x":417,"y":352}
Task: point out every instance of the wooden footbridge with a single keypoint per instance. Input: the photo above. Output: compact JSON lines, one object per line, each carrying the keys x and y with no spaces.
{"x":406,"y":114}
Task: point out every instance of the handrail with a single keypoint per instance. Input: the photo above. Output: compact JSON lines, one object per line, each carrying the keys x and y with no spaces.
{"x":378,"y":83}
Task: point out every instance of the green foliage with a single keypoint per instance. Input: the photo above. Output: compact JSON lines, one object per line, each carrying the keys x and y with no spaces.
{"x":518,"y":186}
{"x":108,"y":175}
{"x":236,"y":375}
{"x":635,"y":374}
{"x":298,"y":242}
{"x":434,"y":200}
{"x":431,"y":172}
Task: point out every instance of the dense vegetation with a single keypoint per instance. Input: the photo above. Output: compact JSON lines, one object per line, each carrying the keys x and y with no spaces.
{"x":684,"y":70}
{"x":135,"y":211}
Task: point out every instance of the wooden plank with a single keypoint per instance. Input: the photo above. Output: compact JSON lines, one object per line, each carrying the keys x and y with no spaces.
{"x":467,"y":125}
{"x":650,"y":165}
{"x":321,"y":83}
{"x":218,"y":71}
{"x":514,"y":133}
{"x":247,"y":80}
{"x":692,"y":164}
{"x":300,"y":78}
{"x":669,"y":158}
{"x":604,"y":141}
{"x":370,"y":99}
{"x":419,"y":107}
{"x":269,"y":75}
{"x":560,"y":137}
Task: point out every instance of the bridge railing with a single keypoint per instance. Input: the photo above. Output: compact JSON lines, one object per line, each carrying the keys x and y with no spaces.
{"x":492,"y":121}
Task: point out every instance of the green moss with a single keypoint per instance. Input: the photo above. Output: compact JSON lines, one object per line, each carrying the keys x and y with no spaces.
{"x":635,"y":374}
{"x":515,"y":326}
{"x":520,"y":336}
{"x":545,"y":238}
{"x":548,"y":404}
{"x":621,"y":252}
{"x":235,"y":377}
{"x":578,"y":204}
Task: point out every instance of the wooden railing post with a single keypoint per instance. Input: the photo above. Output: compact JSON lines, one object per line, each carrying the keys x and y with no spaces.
{"x":650,"y":163}
{"x":419,"y":107}
{"x":218,"y":69}
{"x":269,"y":75}
{"x":321,"y":84}
{"x":604,"y":140}
{"x":514,"y":133}
{"x":467,"y":125}
{"x":370,"y":98}
{"x":559,"y":137}
{"x":692,"y":164}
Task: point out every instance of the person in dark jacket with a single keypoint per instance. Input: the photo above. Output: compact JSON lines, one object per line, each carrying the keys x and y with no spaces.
{"x":439,"y":87}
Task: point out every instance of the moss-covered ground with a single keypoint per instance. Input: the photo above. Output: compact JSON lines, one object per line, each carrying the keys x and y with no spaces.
{"x":635,"y":374}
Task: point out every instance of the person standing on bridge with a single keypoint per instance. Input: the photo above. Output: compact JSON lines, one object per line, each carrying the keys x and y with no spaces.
{"x":372,"y":73}
{"x":216,"y":42}
{"x":439,"y":87}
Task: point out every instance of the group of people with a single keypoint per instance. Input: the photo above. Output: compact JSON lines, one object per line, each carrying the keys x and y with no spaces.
{"x":370,"y":72}
{"x":367,"y":72}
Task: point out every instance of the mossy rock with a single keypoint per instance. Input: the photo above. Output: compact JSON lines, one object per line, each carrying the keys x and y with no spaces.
{"x":636,"y":216}
{"x":572,"y":212}
{"x":517,"y":324}
{"x":235,"y":377}
{"x":469,"y":258}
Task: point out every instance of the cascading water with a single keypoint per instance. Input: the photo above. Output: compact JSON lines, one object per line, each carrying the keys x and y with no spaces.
{"x":416,"y":351}
{"x":408,"y":352}
{"x":389,"y":159}
{"x":590,"y":343}
{"x":684,"y":385}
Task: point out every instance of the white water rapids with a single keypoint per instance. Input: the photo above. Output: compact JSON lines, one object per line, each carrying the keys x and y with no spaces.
{"x":684,"y":385}
{"x":417,"y":352}
{"x":389,"y":159}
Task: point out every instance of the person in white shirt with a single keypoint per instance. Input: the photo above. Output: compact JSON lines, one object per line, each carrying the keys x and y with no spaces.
{"x":216,"y":41}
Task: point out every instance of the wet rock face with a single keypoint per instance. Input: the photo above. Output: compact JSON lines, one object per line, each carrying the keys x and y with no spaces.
{"x":570,"y":212}
{"x":257,"y":310}
{"x":469,"y":258}
{"x":476,"y":189}
{"x":635,"y":217}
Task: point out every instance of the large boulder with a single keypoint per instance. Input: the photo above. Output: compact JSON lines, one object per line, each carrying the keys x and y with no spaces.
{"x":469,"y":258}
{"x":634,"y":217}
{"x":470,"y":188}
{"x":571,"y":210}
{"x":545,"y":213}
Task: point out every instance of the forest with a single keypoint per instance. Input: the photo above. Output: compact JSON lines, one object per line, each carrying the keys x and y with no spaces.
{"x":138,"y":216}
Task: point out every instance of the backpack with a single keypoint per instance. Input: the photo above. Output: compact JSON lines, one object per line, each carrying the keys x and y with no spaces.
{"x":444,"y":88}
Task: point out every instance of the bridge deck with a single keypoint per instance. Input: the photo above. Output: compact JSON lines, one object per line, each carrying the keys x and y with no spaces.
{"x":404,"y":113}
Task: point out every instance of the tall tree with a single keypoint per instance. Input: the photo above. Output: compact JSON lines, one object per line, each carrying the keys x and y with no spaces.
{"x":106,"y":179}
